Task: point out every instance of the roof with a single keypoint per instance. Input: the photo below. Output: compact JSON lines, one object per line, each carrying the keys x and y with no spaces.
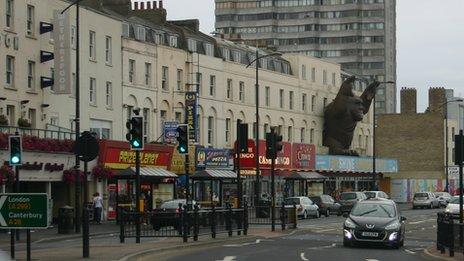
{"x":306,"y":175}
{"x":214,"y":174}
{"x":147,"y":172}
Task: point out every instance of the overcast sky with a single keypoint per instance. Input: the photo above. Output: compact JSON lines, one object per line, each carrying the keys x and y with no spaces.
{"x":430,"y":41}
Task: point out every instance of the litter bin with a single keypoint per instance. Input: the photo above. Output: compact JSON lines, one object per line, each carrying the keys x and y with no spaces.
{"x":65,"y":220}
{"x":263,"y":209}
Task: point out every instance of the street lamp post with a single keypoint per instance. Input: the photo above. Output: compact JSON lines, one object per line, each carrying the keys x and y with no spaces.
{"x":257,"y":188}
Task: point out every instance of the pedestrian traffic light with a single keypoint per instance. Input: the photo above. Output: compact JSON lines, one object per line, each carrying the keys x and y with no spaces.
{"x":182,"y":139}
{"x":135,"y":134}
{"x":270,"y":146}
{"x":15,"y":150}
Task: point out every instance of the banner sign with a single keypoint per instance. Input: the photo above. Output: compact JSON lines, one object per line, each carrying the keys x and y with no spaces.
{"x":212,"y":158}
{"x":170,"y":131}
{"x":303,"y":156}
{"x":62,"y":53}
{"x":116,"y":158}
{"x":24,"y":211}
{"x":283,"y":161}
{"x":355,"y":164}
{"x":191,"y":114}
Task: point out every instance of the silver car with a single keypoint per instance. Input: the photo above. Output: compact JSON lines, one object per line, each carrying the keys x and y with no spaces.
{"x":453,"y":207}
{"x":443,"y":197}
{"x":305,"y":207}
{"x":425,"y":200}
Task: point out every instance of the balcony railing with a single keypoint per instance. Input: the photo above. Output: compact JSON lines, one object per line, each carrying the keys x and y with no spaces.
{"x":40,"y":133}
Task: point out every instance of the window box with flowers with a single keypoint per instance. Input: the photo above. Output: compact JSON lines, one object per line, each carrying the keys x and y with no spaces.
{"x":24,"y":123}
{"x":33,"y":143}
{"x":3,"y":120}
{"x":101,"y":172}
{"x":69,"y":176}
{"x":7,"y":176}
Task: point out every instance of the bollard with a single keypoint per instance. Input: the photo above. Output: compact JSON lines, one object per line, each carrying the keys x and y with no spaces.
{"x":121,"y":226}
{"x":282,"y":216}
{"x":295,"y":216}
{"x":245,"y":218}
{"x":238,"y":218}
{"x":195,"y":223}
{"x":179,"y":220}
{"x":450,"y":235}
{"x":229,"y":220}
{"x":213,"y":222}
{"x":185,"y":226}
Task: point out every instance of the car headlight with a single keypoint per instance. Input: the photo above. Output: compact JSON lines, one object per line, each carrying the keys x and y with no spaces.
{"x":393,"y":226}
{"x":349,"y":223}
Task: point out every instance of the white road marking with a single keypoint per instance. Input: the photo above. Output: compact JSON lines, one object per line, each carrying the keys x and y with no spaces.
{"x":322,"y":247}
{"x":302,"y":255}
{"x":422,"y":221}
{"x":370,"y":259}
{"x":228,"y":258}
{"x":409,"y":251}
{"x":325,"y":230}
{"x":247,"y":244}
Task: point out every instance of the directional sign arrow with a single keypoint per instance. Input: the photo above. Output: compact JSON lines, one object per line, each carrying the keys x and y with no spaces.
{"x":2,"y":201}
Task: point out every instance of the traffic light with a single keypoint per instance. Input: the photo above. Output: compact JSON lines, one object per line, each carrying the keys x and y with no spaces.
{"x":135,"y":134}
{"x":242,"y":136}
{"x":270,"y":152}
{"x":15,"y":150}
{"x":277,"y":143}
{"x":182,"y":139}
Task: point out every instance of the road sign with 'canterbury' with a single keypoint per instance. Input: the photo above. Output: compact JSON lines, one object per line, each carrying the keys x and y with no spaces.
{"x":23,"y":210}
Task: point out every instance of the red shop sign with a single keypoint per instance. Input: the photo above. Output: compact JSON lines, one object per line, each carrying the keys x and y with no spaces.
{"x":304,"y":156}
{"x":283,"y":161}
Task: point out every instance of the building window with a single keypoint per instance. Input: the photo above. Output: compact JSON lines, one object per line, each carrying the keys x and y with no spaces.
{"x":267,"y":96}
{"x":324,"y":102}
{"x":324,"y":77}
{"x":30,"y":20}
{"x":360,"y":141}
{"x":165,"y":78}
{"x":209,"y":49}
{"x":452,"y":133}
{"x":303,"y":72}
{"x":241,"y":92}
{"x":199,"y":80}
{"x":180,"y":76}
{"x":178,"y":116}
{"x":146,"y":119}
{"x":313,"y":102}
{"x":109,"y":94}
{"x":147,"y":74}
{"x":302,"y":135}
{"x":9,"y":13}
{"x":131,"y":70}
{"x":229,"y":90}
{"x":108,"y":50}
{"x":210,"y":130}
{"x":265,"y":129}
{"x":290,"y":134}
{"x":228,"y":122}
{"x":10,"y":68}
{"x":313,"y":74}
{"x":333,"y":79}
{"x":93,"y":91}
{"x":10,"y":113}
{"x":304,"y":102}
{"x":212,"y":85}
{"x":31,"y":75}
{"x":92,"y":45}
{"x":281,"y":98}
{"x":311,"y":136}
{"x":290,"y":99}
{"x":192,"y":45}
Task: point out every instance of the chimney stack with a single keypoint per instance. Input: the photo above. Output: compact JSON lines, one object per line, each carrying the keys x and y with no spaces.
{"x":408,"y":100}
{"x":437,"y":98}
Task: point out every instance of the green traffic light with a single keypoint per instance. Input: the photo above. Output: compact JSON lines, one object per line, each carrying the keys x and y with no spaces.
{"x":15,"y":159}
{"x":182,"y":149}
{"x":135,"y":143}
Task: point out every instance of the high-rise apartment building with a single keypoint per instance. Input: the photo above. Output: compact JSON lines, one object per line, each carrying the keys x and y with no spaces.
{"x":358,"y":34}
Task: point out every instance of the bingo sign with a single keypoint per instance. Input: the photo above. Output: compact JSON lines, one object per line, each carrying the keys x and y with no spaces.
{"x":191,"y":114}
{"x":170,"y":131}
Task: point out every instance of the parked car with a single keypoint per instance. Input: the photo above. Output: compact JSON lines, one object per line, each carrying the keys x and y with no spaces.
{"x":348,"y":199}
{"x":376,"y":194}
{"x":168,"y":214}
{"x":374,"y":221}
{"x":425,"y":200}
{"x":326,"y":204}
{"x":443,"y":197}
{"x":305,"y":207}
{"x":453,"y":207}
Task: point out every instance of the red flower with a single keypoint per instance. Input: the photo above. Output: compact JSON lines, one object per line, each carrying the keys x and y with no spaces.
{"x":7,"y":175}
{"x":69,"y":176}
{"x":101,"y":172}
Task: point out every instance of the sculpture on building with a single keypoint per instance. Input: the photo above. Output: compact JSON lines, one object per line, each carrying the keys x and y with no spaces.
{"x":342,"y":115}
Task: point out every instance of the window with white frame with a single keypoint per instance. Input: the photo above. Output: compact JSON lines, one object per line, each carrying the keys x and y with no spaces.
{"x":131,"y":71}
{"x":267,"y":96}
{"x":10,"y":71}
{"x":125,"y":30}
{"x":212,"y":85}
{"x":148,"y":74}
{"x":290,"y":134}
{"x":108,"y":50}
{"x":313,"y":74}
{"x":109,"y":95}
{"x":228,"y":127}
{"x":92,"y":45}
{"x":165,"y":78}
{"x":31,"y":75}
{"x":311,"y":136}
{"x":210,"y":130}
{"x":209,"y":50}
{"x":192,"y":45}
{"x":313,"y":102}
{"x":93,"y":91}
{"x":173,"y":41}
{"x":241,"y":91}
{"x":302,"y":135}
{"x":9,"y":14}
{"x":180,"y":77}
{"x":141,"y":33}
{"x":304,"y":102}
{"x":281,"y":98}
{"x":30,"y":24}
{"x":324,"y":77}
{"x":290,"y":100}
{"x":229,"y":90}
{"x":178,"y":116}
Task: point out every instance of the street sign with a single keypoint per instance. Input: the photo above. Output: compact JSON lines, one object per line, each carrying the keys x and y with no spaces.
{"x":23,"y":211}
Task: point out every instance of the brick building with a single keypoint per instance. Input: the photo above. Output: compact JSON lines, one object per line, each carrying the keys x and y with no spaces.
{"x":417,"y":140}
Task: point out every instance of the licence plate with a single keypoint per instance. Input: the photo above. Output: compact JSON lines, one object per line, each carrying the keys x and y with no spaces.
{"x":370,"y":234}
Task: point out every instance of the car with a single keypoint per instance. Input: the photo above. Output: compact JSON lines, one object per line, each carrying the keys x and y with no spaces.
{"x":326,"y":204}
{"x":348,"y":199}
{"x":453,"y":207}
{"x":374,"y":221}
{"x":168,"y":214}
{"x":305,"y":207}
{"x":443,"y":197}
{"x":376,"y":194}
{"x":425,"y":200}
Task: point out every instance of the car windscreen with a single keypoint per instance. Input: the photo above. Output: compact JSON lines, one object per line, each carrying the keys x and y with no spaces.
{"x":454,"y":200}
{"x":370,"y":194}
{"x":292,"y":201}
{"x":438,"y":194}
{"x":348,"y":196}
{"x":315,"y":199}
{"x":173,"y":204}
{"x":373,"y":210}
{"x":421,"y":195}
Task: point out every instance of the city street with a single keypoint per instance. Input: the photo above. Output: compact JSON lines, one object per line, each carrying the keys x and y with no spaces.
{"x":319,"y":239}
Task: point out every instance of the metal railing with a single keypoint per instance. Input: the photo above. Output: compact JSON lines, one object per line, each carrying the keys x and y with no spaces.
{"x":40,"y":133}
{"x":283,"y":215}
{"x":449,"y":234}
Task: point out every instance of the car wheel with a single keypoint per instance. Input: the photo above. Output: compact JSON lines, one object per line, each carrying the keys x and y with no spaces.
{"x":339,"y":213}
{"x":327,"y":213}
{"x":305,"y":214}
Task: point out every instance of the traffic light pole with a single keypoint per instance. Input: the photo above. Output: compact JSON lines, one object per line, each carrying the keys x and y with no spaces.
{"x":85,"y":224}
{"x":187,"y":182}
{"x":273,"y":194}
{"x":137,"y":195}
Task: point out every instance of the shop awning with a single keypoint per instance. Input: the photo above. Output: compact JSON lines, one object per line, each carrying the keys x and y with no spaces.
{"x":147,"y":172}
{"x":214,"y":174}
{"x":306,"y":176}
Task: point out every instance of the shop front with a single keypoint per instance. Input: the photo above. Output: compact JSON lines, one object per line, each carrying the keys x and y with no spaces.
{"x":157,"y":182}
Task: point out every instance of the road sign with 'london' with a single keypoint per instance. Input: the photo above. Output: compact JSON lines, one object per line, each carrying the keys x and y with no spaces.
{"x":23,"y":210}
